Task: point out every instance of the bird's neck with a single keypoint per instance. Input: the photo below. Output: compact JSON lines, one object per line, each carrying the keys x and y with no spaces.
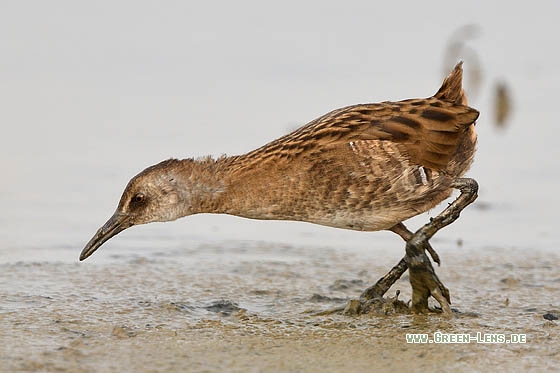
{"x":204,"y":183}
{"x":226,"y":185}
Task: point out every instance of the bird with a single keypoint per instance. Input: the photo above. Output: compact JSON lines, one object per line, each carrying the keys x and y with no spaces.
{"x":364,"y":167}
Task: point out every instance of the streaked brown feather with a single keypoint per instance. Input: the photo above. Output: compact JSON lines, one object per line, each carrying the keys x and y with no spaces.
{"x":430,"y":129}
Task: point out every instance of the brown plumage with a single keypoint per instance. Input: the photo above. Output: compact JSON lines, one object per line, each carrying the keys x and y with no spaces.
{"x":363,"y":167}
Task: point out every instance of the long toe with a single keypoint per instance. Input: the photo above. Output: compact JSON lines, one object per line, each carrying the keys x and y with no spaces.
{"x":433,"y":254}
{"x":423,"y":279}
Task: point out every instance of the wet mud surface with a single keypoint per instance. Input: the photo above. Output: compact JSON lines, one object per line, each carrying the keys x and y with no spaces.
{"x":248,"y":306}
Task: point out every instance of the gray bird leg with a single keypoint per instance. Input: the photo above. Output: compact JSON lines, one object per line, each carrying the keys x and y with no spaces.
{"x":406,"y":235}
{"x":423,"y":278}
{"x":384,"y":283}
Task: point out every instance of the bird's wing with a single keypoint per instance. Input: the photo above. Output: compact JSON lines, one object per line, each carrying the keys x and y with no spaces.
{"x":429,"y":130}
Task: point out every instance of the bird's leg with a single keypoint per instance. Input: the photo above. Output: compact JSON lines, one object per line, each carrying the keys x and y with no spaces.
{"x":423,"y":278}
{"x":406,"y":235}
{"x":378,"y":290}
{"x":384,"y":283}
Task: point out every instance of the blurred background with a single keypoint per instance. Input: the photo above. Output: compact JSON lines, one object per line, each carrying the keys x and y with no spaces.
{"x":92,"y":93}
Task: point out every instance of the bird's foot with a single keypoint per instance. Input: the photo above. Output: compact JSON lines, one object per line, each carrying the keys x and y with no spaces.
{"x":379,"y":306}
{"x":372,"y":301}
{"x":376,"y":306}
{"x":423,"y":278}
{"x":424,"y":281}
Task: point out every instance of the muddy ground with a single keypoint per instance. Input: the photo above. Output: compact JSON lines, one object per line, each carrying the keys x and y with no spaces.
{"x":246,"y":306}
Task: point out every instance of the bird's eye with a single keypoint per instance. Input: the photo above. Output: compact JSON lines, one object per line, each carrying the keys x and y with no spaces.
{"x":139,"y":197}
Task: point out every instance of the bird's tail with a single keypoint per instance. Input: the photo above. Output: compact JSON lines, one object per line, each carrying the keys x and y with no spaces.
{"x":452,"y":88}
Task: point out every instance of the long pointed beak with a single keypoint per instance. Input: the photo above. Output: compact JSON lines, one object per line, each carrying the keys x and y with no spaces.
{"x":116,"y":224}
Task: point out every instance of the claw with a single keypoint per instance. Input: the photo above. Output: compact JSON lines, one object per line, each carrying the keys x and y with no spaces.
{"x":433,"y":254}
{"x":443,"y":300}
{"x":423,"y":278}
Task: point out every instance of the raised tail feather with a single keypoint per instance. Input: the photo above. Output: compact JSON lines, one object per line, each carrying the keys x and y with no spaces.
{"x":452,"y":88}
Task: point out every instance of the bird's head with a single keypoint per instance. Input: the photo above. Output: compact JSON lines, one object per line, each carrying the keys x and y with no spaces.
{"x":156,"y":194}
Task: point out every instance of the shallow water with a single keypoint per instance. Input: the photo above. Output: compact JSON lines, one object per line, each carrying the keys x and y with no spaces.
{"x":83,"y":111}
